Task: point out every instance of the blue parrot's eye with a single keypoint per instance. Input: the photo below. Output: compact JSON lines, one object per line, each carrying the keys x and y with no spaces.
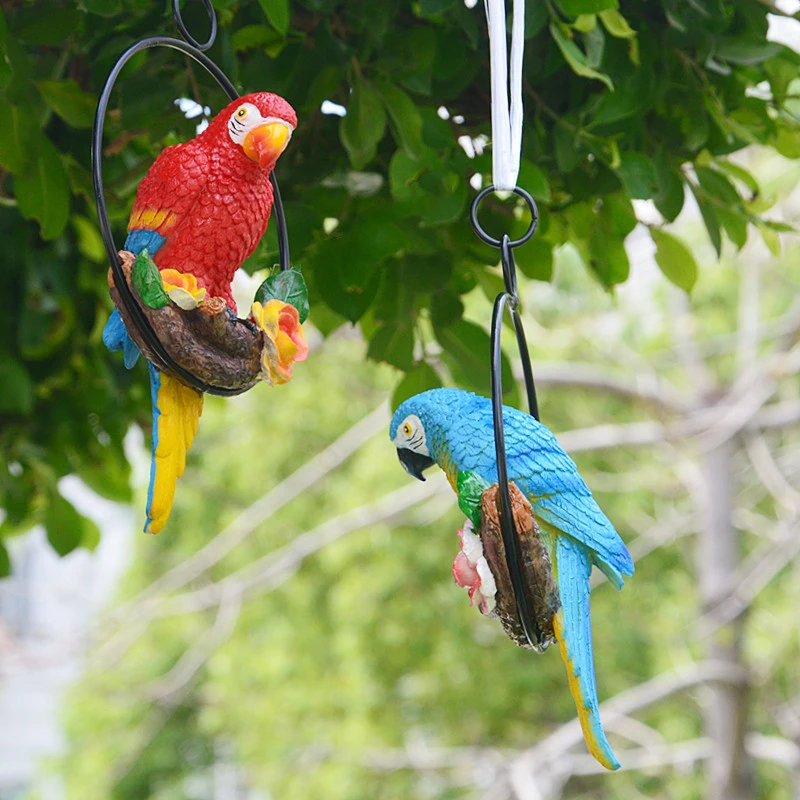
{"x":407,"y":429}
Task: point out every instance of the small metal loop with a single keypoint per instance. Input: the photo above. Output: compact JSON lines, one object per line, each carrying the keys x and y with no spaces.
{"x":490,"y":240}
{"x":212,"y":17}
{"x":509,"y":269}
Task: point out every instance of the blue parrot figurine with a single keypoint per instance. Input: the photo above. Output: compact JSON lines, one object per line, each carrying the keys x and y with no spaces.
{"x":454,"y":429}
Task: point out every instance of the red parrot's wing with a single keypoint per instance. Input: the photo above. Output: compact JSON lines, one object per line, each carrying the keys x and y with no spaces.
{"x":170,"y":189}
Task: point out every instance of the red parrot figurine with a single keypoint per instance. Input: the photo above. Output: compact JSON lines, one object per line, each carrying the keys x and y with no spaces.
{"x":200,"y":211}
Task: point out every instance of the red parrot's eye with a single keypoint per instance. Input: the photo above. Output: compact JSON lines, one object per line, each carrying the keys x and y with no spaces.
{"x":242,"y":112}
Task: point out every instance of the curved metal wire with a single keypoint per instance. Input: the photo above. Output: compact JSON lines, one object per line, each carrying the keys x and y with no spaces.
{"x":193,"y":49}
{"x":510,"y":299}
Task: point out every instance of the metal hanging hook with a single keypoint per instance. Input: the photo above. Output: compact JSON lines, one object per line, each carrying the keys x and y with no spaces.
{"x":212,"y":16}
{"x":510,"y":299}
{"x":192,"y":48}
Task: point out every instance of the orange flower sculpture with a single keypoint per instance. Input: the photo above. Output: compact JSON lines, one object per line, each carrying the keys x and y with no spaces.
{"x":182,"y":289}
{"x":284,"y":343}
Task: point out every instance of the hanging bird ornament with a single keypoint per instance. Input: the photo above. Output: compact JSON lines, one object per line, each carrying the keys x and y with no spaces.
{"x":565,"y":534}
{"x":199,"y":212}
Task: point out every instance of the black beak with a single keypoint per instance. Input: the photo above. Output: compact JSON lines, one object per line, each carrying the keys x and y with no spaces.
{"x":414,"y":463}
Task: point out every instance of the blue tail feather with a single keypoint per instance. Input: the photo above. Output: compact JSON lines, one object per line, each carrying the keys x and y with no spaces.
{"x":155,"y":385}
{"x":574,"y":568}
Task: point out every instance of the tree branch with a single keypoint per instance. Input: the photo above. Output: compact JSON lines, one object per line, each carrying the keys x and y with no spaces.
{"x":248,"y":520}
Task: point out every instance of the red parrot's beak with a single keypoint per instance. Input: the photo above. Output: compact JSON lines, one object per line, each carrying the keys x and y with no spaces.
{"x":266,"y":142}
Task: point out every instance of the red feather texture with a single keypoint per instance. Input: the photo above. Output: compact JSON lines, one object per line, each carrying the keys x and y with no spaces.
{"x":209,"y":200}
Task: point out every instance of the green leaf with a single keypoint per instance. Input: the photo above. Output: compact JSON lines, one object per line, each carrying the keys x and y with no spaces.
{"x":363,"y":127}
{"x":534,"y":181}
{"x":771,"y":238}
{"x":671,"y":194}
{"x":17,"y":394}
{"x":42,"y":190}
{"x":394,"y":344}
{"x":470,"y":487}
{"x":15,"y":144}
{"x":52,"y":28}
{"x":787,"y":142}
{"x":69,"y":101}
{"x":576,"y":58}
{"x":717,"y":185}
{"x":146,"y":279}
{"x":432,"y":8}
{"x":90,"y":242}
{"x":262,"y":36}
{"x":585,"y":23}
{"x":65,"y":526}
{"x":535,"y":259}
{"x":735,"y":226}
{"x":675,"y":259}
{"x":710,"y":220}
{"x":278,"y":14}
{"x":406,"y":121}
{"x":740,"y":174}
{"x":616,"y":24}
{"x":446,"y":308}
{"x":741,"y":50}
{"x":289,"y":286}
{"x":638,"y":174}
{"x":574,"y":8}
{"x":5,"y":562}
{"x":419,"y":378}
{"x":467,"y":352}
{"x":110,"y":478}
{"x":568,"y":148}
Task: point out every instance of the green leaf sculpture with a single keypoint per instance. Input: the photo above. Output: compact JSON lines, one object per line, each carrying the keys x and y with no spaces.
{"x":287,"y":285}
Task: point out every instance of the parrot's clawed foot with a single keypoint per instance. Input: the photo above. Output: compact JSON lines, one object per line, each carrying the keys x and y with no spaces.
{"x":249,"y":324}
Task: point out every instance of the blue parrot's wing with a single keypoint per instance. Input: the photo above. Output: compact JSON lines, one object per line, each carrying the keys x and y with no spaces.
{"x":550,"y":479}
{"x":176,"y":411}
{"x":143,"y":237}
{"x":573,"y":629}
{"x":580,"y":517}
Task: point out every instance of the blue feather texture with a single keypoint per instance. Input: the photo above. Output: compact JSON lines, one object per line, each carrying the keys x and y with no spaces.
{"x":459,"y":435}
{"x":116,"y":337}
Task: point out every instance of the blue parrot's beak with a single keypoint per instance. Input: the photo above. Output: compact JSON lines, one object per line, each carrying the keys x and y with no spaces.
{"x":414,"y":463}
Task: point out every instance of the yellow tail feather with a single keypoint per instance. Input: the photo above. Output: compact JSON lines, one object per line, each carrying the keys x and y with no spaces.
{"x":589,"y":735}
{"x":180,"y":408}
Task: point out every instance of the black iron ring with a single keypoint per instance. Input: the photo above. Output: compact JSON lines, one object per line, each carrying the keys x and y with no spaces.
{"x":126,"y":296}
{"x":490,"y":240}
{"x":511,"y":541}
{"x":212,"y":17}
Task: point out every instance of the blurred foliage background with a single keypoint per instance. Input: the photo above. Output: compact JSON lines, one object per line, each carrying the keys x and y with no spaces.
{"x":623,"y":102}
{"x":294,"y":632}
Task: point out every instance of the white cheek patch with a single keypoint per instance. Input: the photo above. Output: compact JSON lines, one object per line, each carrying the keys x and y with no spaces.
{"x":239,"y":128}
{"x":417,"y":441}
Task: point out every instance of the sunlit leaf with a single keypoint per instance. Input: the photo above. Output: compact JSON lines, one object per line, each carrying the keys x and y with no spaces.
{"x":364,"y":125}
{"x":675,"y":259}
{"x":69,"y":101}
{"x":576,"y":58}
{"x":42,"y":190}
{"x":278,"y":13}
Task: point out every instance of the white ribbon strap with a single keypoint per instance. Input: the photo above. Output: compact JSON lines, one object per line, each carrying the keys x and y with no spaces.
{"x":506,"y":127}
